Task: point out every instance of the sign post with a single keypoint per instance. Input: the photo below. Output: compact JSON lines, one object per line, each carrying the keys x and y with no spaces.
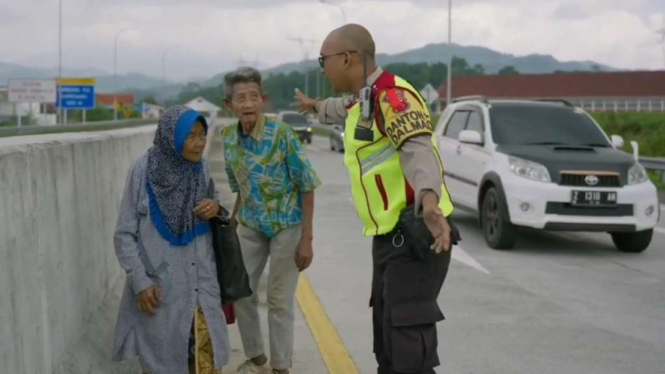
{"x":30,"y":91}
{"x":77,"y":93}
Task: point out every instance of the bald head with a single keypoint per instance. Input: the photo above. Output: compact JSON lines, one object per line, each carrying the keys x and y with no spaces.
{"x":352,"y":37}
{"x":347,"y":58}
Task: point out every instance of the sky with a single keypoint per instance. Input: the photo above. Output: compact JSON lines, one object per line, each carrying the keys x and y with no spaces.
{"x":207,"y":37}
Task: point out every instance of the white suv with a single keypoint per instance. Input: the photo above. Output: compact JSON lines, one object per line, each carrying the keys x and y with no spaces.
{"x":546,"y":165}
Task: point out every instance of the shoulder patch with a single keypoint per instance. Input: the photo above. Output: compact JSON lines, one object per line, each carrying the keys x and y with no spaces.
{"x":403,"y":127}
{"x":397,"y":100}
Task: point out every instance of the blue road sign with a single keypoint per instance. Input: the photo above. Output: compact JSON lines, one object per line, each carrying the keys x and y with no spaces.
{"x":76,"y":97}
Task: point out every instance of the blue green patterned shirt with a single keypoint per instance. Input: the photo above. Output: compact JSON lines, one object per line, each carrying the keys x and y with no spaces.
{"x":270,"y":171}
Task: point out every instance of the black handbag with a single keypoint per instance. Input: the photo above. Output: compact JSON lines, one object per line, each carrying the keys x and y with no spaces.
{"x":231,"y":272}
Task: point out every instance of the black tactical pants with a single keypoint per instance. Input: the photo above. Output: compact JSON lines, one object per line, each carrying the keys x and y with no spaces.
{"x":405,"y":286}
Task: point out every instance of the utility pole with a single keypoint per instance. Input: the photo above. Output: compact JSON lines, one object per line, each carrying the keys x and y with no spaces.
{"x":661,"y":33}
{"x":450,"y":49}
{"x":306,"y":45}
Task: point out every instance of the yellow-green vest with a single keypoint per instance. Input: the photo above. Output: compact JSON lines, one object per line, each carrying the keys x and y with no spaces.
{"x":380,"y":189}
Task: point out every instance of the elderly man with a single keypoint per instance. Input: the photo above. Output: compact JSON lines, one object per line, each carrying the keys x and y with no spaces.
{"x":396,"y":176}
{"x":275,"y":183}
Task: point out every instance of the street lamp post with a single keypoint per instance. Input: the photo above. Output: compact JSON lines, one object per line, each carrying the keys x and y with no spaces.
{"x":59,"y":105}
{"x":335,"y":5}
{"x":115,"y":74}
{"x":450,"y":47}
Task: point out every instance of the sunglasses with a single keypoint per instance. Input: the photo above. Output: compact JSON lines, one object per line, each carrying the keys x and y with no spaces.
{"x":322,"y":59}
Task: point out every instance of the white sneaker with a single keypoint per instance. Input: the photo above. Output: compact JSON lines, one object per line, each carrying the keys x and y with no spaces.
{"x":248,"y":367}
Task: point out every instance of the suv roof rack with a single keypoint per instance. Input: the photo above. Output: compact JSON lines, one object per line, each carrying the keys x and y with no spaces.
{"x":561,"y":101}
{"x":480,"y":98}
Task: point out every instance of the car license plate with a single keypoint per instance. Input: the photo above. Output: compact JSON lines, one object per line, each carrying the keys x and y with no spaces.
{"x":594,"y":198}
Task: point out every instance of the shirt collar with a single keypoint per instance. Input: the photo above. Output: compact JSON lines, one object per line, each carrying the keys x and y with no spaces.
{"x":257,"y":131}
{"x":372,"y":78}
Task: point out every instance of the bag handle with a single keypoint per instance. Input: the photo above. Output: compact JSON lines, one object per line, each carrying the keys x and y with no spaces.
{"x":223,"y":213}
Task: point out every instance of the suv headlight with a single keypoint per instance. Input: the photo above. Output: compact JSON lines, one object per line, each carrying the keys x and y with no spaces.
{"x":528,"y":169}
{"x":637,"y":174}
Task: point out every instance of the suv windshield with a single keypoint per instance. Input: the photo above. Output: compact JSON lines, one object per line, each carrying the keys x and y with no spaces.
{"x":294,"y":119}
{"x":543,"y":125}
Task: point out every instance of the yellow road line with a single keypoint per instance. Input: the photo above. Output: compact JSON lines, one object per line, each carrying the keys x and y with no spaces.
{"x":332,"y":349}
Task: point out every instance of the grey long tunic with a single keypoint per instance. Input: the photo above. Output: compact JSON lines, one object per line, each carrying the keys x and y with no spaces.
{"x":186,"y":275}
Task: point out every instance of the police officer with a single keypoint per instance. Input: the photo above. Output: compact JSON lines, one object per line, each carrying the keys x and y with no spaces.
{"x":399,"y":193}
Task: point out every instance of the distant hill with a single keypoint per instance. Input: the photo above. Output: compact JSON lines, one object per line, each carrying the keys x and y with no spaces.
{"x":9,"y":70}
{"x":105,"y":81}
{"x":130,"y":82}
{"x":143,"y":85}
{"x":492,"y":60}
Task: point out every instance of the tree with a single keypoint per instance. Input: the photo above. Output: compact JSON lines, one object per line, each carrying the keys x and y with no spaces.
{"x":508,"y":70}
{"x":417,"y":74}
{"x":437,"y":74}
{"x":461,"y":67}
{"x":280,"y":87}
{"x":100,"y":113}
{"x":478,"y":69}
{"x":150,"y":100}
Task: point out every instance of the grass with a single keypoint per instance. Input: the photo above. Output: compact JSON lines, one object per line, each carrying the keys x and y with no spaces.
{"x":648,"y":129}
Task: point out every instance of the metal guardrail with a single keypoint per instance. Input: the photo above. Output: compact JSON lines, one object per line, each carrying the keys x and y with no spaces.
{"x":79,"y":127}
{"x":650,"y":163}
{"x":653,"y":163}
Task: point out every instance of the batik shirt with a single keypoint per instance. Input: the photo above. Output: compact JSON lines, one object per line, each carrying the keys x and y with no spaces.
{"x":270,"y":171}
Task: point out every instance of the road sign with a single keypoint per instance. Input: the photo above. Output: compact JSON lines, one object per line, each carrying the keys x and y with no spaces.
{"x":77,"y":93}
{"x":32,"y":91}
{"x":430,"y":94}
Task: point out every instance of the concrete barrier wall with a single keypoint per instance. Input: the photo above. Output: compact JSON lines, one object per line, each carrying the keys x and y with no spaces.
{"x":59,"y":278}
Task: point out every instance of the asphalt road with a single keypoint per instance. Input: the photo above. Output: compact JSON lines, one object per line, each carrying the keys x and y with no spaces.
{"x":557,"y":303}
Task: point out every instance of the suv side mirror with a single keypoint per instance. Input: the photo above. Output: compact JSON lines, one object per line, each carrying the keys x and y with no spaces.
{"x":471,"y":137}
{"x":617,"y":141}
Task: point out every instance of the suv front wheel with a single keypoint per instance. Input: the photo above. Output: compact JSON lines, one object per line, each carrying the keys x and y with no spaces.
{"x":632,"y":241}
{"x":499,"y":232}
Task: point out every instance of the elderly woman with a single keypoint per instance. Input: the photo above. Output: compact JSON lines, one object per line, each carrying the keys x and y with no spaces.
{"x":170,"y":315}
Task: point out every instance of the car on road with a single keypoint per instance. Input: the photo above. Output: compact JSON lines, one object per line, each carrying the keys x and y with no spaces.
{"x":299,"y":123}
{"x":545,"y":165}
{"x":337,"y":138}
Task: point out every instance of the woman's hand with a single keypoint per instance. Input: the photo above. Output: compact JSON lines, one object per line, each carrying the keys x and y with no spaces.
{"x":207,"y":209}
{"x":149,"y":300}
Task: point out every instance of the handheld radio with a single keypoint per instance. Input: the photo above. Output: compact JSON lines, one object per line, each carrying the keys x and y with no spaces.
{"x":365,"y":98}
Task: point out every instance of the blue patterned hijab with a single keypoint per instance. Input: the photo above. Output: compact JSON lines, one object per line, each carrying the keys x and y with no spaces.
{"x":174,"y":184}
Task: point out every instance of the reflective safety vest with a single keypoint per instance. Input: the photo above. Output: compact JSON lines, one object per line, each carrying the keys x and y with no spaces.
{"x":380,"y":189}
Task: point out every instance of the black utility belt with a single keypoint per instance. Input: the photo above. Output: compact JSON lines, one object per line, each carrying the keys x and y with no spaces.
{"x":413,"y":231}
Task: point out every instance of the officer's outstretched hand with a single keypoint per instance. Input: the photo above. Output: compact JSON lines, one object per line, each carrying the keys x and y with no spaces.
{"x":436,"y":223}
{"x":305,"y":103}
